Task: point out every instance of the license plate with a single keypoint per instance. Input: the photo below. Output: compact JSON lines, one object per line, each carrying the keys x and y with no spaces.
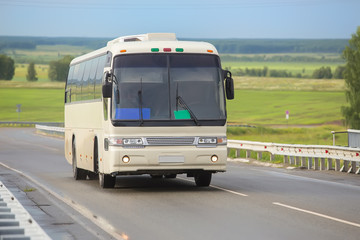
{"x":171,"y":159}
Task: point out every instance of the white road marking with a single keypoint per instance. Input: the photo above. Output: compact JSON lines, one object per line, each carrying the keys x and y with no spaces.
{"x":318,"y":214}
{"x":229,"y":191}
{"x":220,"y":188}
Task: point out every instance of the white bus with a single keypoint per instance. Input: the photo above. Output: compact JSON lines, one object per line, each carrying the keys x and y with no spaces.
{"x":147,"y":104}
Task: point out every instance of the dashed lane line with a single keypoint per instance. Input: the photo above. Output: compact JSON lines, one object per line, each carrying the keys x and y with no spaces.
{"x":317,"y":214}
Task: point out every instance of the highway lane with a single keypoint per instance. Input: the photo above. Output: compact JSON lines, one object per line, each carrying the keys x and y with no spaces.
{"x":246,"y":202}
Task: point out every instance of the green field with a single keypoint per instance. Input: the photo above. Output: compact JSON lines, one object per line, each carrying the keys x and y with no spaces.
{"x":289,"y":84}
{"x":320,"y":135}
{"x":259,"y":107}
{"x":41,"y":72}
{"x":294,"y":63}
{"x":39,"y":101}
{"x":304,"y":68}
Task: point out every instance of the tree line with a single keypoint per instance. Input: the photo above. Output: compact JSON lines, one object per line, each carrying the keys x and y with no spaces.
{"x":256,"y":46}
{"x":282,"y":58}
{"x":321,"y":73}
{"x":58,"y":70}
{"x":249,"y":46}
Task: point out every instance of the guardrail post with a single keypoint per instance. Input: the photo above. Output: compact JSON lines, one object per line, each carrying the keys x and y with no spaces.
{"x":330,"y":164}
{"x":286,"y":159}
{"x":337,"y":165}
{"x":322,"y":164}
{"x":316,"y":163}
{"x":259,"y":155}
{"x":297,"y":160}
{"x":272,"y":157}
{"x":310,"y":163}
{"x":345,"y":168}
{"x":237,"y":153}
{"x":303,"y":162}
{"x":352,"y":167}
{"x":248,"y":154}
{"x":292,"y":160}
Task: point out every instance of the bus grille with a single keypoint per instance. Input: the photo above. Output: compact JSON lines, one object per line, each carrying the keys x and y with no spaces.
{"x":170,"y":141}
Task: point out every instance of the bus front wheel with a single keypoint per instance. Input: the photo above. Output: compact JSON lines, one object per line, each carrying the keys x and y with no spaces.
{"x":203,"y":179}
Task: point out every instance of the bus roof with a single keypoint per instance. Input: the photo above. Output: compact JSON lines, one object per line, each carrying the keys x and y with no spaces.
{"x":150,"y":43}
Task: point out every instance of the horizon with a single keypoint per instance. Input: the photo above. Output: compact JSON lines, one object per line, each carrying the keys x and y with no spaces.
{"x":181,"y":38}
{"x":189,"y":19}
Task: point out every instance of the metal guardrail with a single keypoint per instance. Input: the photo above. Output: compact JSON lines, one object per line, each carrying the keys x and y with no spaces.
{"x":317,"y":157}
{"x":53,"y":130}
{"x":29,"y":123}
{"x":15,"y":221}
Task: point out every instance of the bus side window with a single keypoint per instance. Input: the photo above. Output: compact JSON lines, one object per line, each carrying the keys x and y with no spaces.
{"x":69,"y":84}
{"x":99,"y":76}
{"x":92,"y":79}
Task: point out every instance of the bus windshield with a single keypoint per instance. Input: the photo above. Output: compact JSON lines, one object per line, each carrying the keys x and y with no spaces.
{"x":168,"y":89}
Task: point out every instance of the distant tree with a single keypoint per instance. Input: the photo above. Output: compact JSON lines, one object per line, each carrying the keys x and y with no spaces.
{"x":352,"y":80}
{"x":58,"y":70}
{"x":7,"y":67}
{"x":322,"y":73}
{"x":31,"y":73}
{"x":339,"y":72}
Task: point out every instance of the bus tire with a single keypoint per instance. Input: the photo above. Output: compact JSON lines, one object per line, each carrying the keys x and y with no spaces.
{"x":203,"y":179}
{"x":78,"y":173}
{"x":106,"y":180}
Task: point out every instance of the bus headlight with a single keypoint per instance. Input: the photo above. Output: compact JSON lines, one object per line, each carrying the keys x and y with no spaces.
{"x":126,"y":142}
{"x":132,"y":141}
{"x":208,"y":140}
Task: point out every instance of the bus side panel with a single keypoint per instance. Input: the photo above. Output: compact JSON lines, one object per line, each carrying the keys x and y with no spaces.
{"x":82,"y":120}
{"x":68,"y":145}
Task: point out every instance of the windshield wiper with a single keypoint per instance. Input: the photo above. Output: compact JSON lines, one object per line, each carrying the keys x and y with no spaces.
{"x":140,"y":104}
{"x":183,"y":104}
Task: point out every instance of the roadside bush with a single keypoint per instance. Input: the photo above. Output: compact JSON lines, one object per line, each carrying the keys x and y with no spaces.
{"x":58,"y":70}
{"x":322,"y":73}
{"x":7,"y":67}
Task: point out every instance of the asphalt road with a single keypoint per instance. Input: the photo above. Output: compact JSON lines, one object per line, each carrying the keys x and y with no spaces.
{"x":246,"y":202}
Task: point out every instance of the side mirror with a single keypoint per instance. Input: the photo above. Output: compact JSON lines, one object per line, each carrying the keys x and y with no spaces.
{"x":107,"y":86}
{"x":229,"y":86}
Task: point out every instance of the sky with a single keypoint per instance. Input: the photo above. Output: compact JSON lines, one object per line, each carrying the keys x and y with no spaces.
{"x":308,"y":19}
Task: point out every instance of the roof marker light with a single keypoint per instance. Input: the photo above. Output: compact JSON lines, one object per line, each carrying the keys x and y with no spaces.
{"x":179,"y":50}
{"x":167,"y":49}
{"x":210,"y":51}
{"x":154,"y":50}
{"x":123,"y":50}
